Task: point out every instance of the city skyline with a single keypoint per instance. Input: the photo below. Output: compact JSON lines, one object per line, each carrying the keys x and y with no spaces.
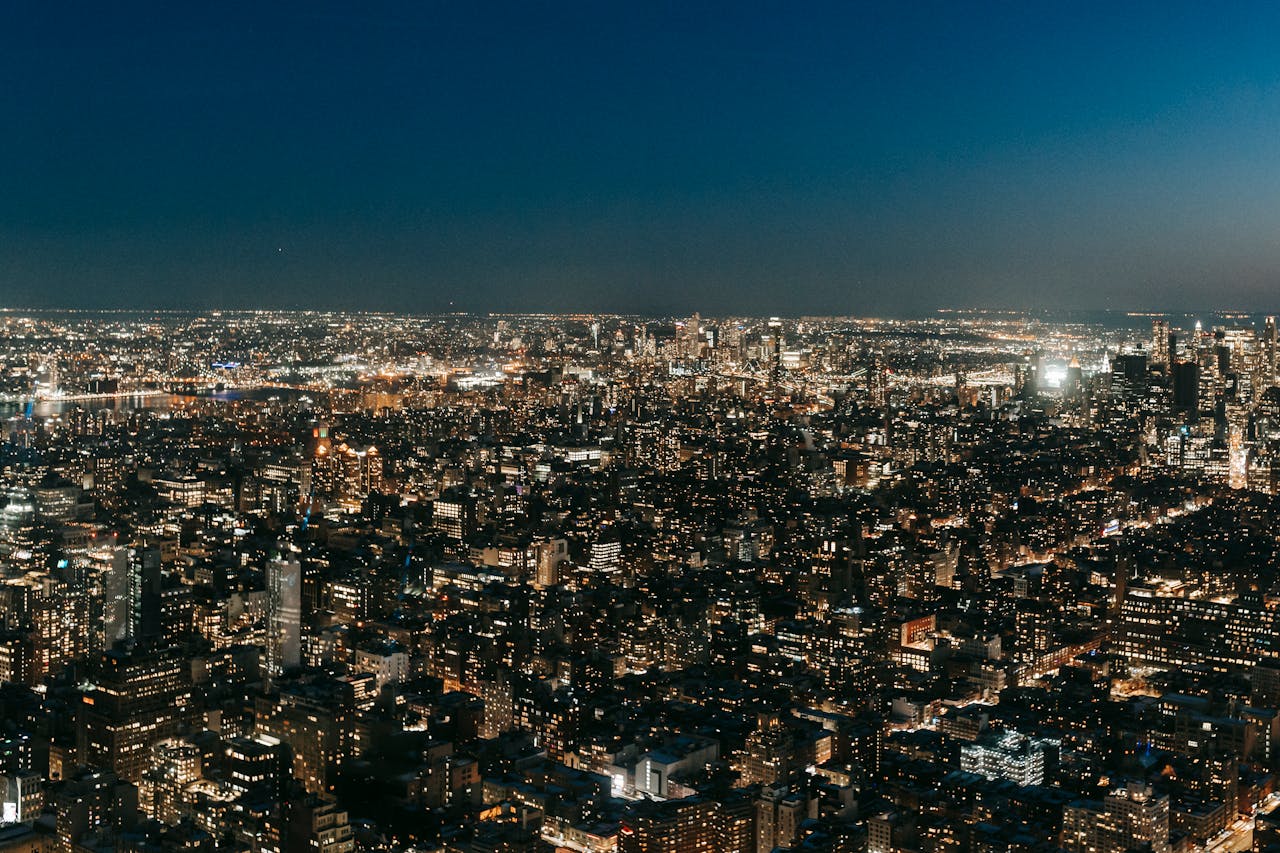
{"x":352,"y":582}
{"x":640,"y":428}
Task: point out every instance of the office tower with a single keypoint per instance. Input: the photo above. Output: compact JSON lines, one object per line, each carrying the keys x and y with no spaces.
{"x":1073,"y":385}
{"x":1131,"y":817}
{"x":454,"y":514}
{"x":1035,"y":373}
{"x":138,"y":698}
{"x":325,"y":466}
{"x":736,"y":822}
{"x":654,"y":446}
{"x":361,"y":470}
{"x":551,"y":555}
{"x":771,"y":752}
{"x":254,"y":766}
{"x":1186,"y":387}
{"x":606,"y":555}
{"x":144,"y":594}
{"x":671,"y":826}
{"x":92,"y":801}
{"x":779,"y":814}
{"x":320,"y":443}
{"x":775,"y":346}
{"x":1160,"y":354}
{"x":877,"y":383}
{"x":690,"y":339}
{"x":1268,"y":354}
{"x":115,"y":599}
{"x":47,"y":622}
{"x":314,"y":721}
{"x":284,"y":614}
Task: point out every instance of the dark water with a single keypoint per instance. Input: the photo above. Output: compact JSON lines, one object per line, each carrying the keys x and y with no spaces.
{"x":1120,"y":320}
{"x":153,"y":402}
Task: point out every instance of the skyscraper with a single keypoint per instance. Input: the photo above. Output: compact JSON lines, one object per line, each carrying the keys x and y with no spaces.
{"x":131,"y":610}
{"x":1186,"y":387}
{"x":1160,"y":354}
{"x":138,"y":698}
{"x":284,"y":614}
{"x":1268,"y":354}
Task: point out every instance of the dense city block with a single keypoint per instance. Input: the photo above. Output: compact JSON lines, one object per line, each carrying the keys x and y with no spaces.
{"x":274,"y":582}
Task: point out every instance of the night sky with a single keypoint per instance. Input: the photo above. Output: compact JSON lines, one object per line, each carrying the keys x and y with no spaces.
{"x":738,"y":157}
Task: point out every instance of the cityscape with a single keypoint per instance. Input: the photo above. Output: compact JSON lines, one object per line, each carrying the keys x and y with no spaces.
{"x":640,"y":427}
{"x":990,"y":581}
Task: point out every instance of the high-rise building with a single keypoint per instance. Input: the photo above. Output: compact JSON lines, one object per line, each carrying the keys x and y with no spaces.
{"x":1132,"y":817}
{"x":670,"y":826}
{"x":454,"y":514}
{"x":255,"y":765}
{"x":1186,"y":387}
{"x":1269,"y":343}
{"x":779,"y":814}
{"x":314,"y":721}
{"x":1160,"y":355}
{"x":284,"y":614}
{"x":552,"y":554}
{"x":90,"y":802}
{"x":771,"y":752}
{"x":142,"y":594}
{"x":138,"y":698}
{"x":606,"y":555}
{"x":690,"y":344}
{"x":137,"y":605}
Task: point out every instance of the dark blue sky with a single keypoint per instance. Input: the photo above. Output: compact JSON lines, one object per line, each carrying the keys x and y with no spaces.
{"x":754,"y":157}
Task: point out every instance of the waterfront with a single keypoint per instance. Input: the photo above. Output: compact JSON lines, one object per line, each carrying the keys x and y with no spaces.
{"x":154,"y":401}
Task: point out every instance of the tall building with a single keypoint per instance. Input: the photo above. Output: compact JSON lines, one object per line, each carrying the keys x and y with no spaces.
{"x":1268,"y":354}
{"x":771,"y":752}
{"x":671,"y":826}
{"x":255,"y":765}
{"x":1186,"y":387}
{"x":691,"y":338}
{"x":606,"y":555}
{"x":779,"y":814}
{"x":284,"y":614}
{"x":314,"y":721}
{"x":1132,"y":817}
{"x":454,"y":514}
{"x":131,"y":596}
{"x":91,"y":802}
{"x":138,"y":698}
{"x":143,"y":594}
{"x":775,"y":346}
{"x":1160,"y":354}
{"x":551,"y":555}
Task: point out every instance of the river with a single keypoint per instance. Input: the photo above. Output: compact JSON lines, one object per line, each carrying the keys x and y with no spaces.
{"x":154,"y":402}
